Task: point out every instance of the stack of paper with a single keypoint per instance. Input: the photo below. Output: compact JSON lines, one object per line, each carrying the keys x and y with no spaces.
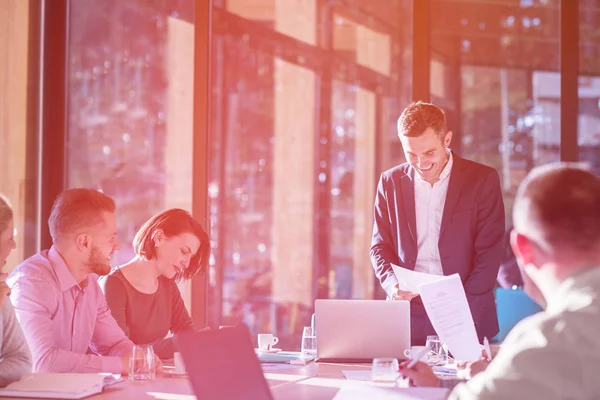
{"x":59,"y":386}
{"x":285,"y":357}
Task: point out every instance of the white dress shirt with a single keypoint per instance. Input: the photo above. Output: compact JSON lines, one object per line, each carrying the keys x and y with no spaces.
{"x":551,"y":355}
{"x":429,"y":207}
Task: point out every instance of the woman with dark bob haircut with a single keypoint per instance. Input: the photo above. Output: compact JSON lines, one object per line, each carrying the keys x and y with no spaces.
{"x":143,"y":295}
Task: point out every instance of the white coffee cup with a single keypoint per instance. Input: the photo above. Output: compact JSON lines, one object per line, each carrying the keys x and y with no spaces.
{"x":266,"y":341}
{"x":415,"y":351}
{"x":179,"y":365}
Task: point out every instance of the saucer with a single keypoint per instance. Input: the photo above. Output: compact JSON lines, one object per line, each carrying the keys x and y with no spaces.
{"x":168,"y":370}
{"x":273,"y":350}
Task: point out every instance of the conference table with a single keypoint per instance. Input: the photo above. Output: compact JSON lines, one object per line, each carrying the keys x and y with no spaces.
{"x":315,"y":381}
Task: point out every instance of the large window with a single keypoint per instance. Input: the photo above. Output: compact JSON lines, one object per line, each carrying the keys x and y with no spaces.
{"x":494,"y":68}
{"x":130,"y":106}
{"x":305,"y":98}
{"x":589,"y":84}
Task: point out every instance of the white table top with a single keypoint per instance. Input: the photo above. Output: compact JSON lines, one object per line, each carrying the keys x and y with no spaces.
{"x":314,"y":381}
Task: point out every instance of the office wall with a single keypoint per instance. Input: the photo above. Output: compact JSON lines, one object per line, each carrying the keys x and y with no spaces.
{"x":14,"y":20}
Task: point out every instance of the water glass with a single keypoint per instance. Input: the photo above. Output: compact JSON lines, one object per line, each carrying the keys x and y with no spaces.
{"x":309,"y":341}
{"x":385,"y":370}
{"x":141,"y":363}
{"x":438,"y":352}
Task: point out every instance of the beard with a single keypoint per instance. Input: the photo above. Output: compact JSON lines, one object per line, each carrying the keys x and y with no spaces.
{"x":98,"y":263}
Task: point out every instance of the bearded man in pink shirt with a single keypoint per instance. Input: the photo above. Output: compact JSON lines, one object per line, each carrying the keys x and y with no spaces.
{"x":55,"y":293}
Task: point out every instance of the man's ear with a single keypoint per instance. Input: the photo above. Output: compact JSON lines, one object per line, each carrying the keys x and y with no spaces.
{"x":447,"y":139}
{"x":83,"y":241}
{"x":523,"y":248}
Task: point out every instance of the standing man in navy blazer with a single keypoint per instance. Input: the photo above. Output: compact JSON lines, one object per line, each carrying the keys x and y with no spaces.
{"x":439,"y":214}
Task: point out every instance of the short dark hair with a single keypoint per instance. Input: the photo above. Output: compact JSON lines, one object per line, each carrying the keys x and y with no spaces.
{"x":418,"y":117}
{"x":174,"y":222}
{"x":562,"y":200}
{"x":76,"y":209}
{"x":6,"y":212}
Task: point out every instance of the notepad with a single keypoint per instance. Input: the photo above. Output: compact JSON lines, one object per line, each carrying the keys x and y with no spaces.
{"x":59,"y":386}
{"x":358,"y":375}
{"x":286,"y":357}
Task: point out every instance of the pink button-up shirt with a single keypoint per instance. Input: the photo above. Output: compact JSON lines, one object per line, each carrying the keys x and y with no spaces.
{"x":61,"y":319}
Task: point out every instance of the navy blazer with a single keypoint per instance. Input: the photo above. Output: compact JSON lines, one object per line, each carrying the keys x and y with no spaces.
{"x":470,"y":244}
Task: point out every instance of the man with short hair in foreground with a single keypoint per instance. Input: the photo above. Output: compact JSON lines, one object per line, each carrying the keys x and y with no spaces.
{"x":56,"y":295}
{"x":556,"y":238}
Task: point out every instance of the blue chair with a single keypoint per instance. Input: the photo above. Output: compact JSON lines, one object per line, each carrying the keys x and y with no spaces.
{"x":512,"y":306}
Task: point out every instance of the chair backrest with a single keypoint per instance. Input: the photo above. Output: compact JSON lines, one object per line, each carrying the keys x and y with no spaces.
{"x":512,"y":306}
{"x":222,"y":364}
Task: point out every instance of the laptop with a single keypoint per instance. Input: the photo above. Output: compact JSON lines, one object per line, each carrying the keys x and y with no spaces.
{"x":222,"y":365}
{"x":355,"y":331}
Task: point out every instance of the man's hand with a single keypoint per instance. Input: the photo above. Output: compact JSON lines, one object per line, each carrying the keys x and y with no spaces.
{"x":4,"y":288}
{"x":468,"y":369}
{"x":420,"y":375}
{"x":398,"y":294}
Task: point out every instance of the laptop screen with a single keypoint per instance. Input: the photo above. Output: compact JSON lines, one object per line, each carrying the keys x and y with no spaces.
{"x":221,"y":364}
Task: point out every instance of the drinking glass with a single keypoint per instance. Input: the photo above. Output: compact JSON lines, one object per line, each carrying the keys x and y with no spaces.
{"x":309,"y":341}
{"x":141,"y":363}
{"x":385,"y":370}
{"x":438,"y":352}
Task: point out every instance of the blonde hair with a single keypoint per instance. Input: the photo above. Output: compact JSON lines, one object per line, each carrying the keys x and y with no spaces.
{"x":6,"y":212}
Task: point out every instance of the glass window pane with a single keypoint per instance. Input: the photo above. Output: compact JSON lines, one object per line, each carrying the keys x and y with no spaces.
{"x":130,"y":98}
{"x":589,"y":84}
{"x":495,"y":72}
{"x":298,"y":138}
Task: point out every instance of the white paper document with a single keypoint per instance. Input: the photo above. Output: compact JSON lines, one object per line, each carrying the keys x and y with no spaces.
{"x":358,"y":375}
{"x":411,"y":281}
{"x":371,"y":392}
{"x":59,"y":386}
{"x":447,"y":307}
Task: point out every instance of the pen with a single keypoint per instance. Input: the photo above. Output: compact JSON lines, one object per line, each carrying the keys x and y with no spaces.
{"x":488,"y":350}
{"x":422,"y":353}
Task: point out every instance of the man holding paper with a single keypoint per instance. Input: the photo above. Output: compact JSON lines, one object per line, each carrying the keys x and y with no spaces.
{"x":438,"y":214}
{"x":556,"y":238}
